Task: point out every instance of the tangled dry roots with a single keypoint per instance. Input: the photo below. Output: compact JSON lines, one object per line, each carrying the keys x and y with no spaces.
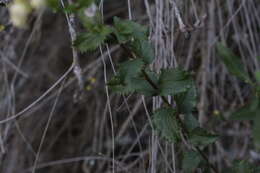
{"x":69,"y":130}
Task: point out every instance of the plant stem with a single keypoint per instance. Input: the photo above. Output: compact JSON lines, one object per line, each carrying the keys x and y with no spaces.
{"x":72,"y":30}
{"x":178,"y":118}
{"x":183,"y":127}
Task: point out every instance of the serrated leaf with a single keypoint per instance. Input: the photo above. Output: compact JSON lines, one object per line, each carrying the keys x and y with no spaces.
{"x":116,"y":85}
{"x":130,"y":68}
{"x":232,"y":62}
{"x":141,"y":86}
{"x":123,"y":81}
{"x":201,"y":138}
{"x":54,"y":5}
{"x":130,"y":79}
{"x":143,"y":49}
{"x":126,"y":30}
{"x":152,"y":75}
{"x":166,"y":123}
{"x":191,"y":161}
{"x":174,"y":81}
{"x":91,"y":23}
{"x":136,"y":36}
{"x":72,"y":8}
{"x":90,"y":41}
{"x":190,"y":121}
{"x":137,"y":85}
{"x":187,"y":101}
{"x":78,"y":5}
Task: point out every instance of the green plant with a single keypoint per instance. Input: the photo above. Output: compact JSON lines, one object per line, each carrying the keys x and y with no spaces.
{"x":135,"y":76}
{"x":174,"y":122}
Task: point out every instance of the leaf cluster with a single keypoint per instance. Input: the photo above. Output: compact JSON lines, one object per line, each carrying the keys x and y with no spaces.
{"x":135,"y":76}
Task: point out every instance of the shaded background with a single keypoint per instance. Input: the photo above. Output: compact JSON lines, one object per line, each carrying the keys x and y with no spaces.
{"x":79,"y":135}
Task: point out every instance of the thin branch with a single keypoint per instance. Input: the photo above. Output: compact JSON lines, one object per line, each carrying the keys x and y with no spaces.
{"x":11,"y":118}
{"x":73,"y":35}
{"x":110,"y":111}
{"x":46,"y":128}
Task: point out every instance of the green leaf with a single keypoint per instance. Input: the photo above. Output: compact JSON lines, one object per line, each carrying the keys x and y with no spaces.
{"x":232,"y":62}
{"x":201,"y":138}
{"x":186,"y":101}
{"x":190,"y":121}
{"x":143,"y":49}
{"x":116,"y":85}
{"x":130,"y":69}
{"x":152,"y":75}
{"x":174,"y":81}
{"x":75,"y":7}
{"x":126,"y":30}
{"x":90,"y":41}
{"x":78,"y":5}
{"x":247,"y":112}
{"x":136,"y":84}
{"x":123,"y":81}
{"x":191,"y":161}
{"x":136,"y":37}
{"x":142,"y":86}
{"x":91,"y":23}
{"x":130,"y":79}
{"x":165,"y":122}
{"x":54,"y":5}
